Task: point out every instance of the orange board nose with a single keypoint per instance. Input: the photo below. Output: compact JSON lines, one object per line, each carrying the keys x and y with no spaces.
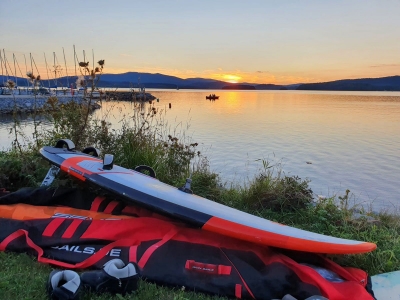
{"x":258,"y":236}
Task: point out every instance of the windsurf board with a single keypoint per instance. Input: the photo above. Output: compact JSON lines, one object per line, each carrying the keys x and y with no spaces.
{"x":138,"y":188}
{"x":386,"y":286}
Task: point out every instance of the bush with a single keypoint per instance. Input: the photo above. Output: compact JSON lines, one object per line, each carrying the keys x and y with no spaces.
{"x":278,"y":194}
{"x":19,"y":170}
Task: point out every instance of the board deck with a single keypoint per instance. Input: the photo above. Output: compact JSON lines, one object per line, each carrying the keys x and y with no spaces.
{"x":386,"y":286}
{"x":208,"y":215}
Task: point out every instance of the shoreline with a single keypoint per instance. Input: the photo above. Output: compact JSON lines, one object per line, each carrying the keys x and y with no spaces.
{"x":129,"y":96}
{"x":30,"y":103}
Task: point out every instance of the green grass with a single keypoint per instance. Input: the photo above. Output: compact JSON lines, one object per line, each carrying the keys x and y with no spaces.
{"x":149,"y":141}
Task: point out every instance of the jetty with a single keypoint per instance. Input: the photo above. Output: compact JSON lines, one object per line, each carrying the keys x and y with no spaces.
{"x":21,"y":102}
{"x":29,"y":104}
{"x":129,"y":96}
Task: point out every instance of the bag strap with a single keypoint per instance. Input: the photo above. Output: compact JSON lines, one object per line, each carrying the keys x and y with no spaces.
{"x":240,"y":275}
{"x":149,"y":252}
{"x":90,"y":261}
{"x":96,"y":203}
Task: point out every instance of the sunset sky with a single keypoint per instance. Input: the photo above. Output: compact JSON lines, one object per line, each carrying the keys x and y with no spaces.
{"x":255,"y":41}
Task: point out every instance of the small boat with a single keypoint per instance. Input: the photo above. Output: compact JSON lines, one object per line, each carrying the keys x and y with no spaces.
{"x":212,"y":97}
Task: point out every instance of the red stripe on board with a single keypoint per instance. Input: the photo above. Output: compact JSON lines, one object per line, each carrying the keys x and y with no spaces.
{"x":72,"y":228}
{"x":70,"y":165}
{"x":52,"y":226}
{"x":259,"y":236}
{"x":112,"y":172}
{"x":96,"y":203}
{"x":110,"y":207}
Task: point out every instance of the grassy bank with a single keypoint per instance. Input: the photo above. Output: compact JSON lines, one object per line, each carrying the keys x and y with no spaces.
{"x":148,"y":140}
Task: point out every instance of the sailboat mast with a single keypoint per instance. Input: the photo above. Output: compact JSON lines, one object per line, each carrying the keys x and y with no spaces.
{"x":33,"y":81}
{"x":37,"y":70}
{"x":75,"y":61}
{"x":1,"y":64}
{"x":37,"y":82}
{"x":55,"y":69}
{"x":66,"y":70}
{"x":47,"y":70}
{"x":84,"y":60}
{"x":15,"y":72}
{"x":5,"y":62}
{"x":26,"y":72}
{"x":19,"y":68}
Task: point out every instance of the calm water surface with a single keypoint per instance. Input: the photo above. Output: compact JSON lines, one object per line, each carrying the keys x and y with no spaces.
{"x":338,"y":140}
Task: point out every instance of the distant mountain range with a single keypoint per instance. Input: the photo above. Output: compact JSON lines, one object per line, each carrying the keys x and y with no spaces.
{"x":391,"y":83}
{"x":148,"y":80}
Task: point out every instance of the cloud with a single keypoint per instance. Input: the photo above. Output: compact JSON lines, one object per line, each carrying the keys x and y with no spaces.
{"x":385,"y":66}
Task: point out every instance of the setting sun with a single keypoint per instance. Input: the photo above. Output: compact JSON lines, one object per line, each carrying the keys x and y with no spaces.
{"x":231,"y":78}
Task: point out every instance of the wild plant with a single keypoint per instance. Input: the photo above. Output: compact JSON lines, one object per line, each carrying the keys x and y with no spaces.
{"x":16,"y":125}
{"x":344,"y":200}
{"x":272,"y":189}
{"x":143,"y":138}
{"x":93,"y":79}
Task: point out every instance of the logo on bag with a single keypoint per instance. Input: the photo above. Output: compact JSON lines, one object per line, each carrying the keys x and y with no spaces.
{"x":68,"y":216}
{"x":87,"y":250}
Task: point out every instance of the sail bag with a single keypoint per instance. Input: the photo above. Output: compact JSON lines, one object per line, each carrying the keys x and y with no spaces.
{"x":168,"y":252}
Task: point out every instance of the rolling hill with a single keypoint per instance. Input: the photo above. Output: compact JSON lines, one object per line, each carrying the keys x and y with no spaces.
{"x":391,"y":83}
{"x":161,"y":81}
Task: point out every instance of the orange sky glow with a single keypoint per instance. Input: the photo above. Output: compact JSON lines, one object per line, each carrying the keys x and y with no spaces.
{"x":280,"y":42}
{"x":236,"y":76}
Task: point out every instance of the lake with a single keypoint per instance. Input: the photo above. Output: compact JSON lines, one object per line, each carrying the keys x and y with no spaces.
{"x":338,"y":140}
